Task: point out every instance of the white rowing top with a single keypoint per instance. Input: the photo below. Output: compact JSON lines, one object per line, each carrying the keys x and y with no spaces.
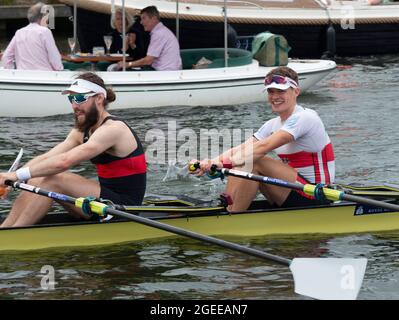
{"x":311,"y":153}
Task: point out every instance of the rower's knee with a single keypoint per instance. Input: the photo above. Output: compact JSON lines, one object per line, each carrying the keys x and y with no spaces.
{"x":52,"y":182}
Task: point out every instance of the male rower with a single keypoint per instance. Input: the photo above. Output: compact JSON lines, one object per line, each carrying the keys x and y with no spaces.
{"x":105,"y":140}
{"x":298,"y":137}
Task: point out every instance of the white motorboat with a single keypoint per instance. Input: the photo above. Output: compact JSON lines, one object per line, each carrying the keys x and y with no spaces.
{"x":231,"y":76}
{"x":29,"y":93}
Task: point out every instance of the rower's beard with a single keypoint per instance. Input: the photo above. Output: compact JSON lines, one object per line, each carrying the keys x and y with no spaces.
{"x":90,"y":119}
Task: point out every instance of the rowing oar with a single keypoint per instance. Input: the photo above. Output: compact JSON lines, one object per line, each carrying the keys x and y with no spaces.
{"x":309,"y":189}
{"x":319,"y":278}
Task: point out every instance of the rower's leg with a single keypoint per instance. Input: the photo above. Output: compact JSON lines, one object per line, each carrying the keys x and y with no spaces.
{"x":30,"y":208}
{"x":275,"y":169}
{"x":244,"y":191}
{"x":27,"y":201}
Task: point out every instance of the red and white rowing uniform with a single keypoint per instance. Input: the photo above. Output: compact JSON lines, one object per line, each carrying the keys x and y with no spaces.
{"x":311,"y":153}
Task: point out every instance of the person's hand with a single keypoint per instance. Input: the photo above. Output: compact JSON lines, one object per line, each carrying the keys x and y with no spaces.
{"x":201,"y":167}
{"x":4,"y":189}
{"x":120,"y":65}
{"x":131,"y":40}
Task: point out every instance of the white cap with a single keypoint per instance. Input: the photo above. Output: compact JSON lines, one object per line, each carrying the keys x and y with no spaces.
{"x":84,"y":86}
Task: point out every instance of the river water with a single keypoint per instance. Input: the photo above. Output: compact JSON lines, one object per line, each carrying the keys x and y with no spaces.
{"x":358,"y":103}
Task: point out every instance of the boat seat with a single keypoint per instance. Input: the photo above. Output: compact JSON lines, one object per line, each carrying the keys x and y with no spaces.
{"x":237,"y":57}
{"x":103,"y":65}
{"x":76,"y":66}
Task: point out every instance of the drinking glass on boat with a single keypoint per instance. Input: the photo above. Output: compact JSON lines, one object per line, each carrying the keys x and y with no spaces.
{"x":108,"y":43}
{"x":72,"y":43}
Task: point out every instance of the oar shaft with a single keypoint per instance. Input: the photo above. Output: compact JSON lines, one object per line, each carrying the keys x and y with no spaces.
{"x":263,"y":179}
{"x":40,"y":191}
{"x":197,"y":236}
{"x":371,"y":202}
{"x":154,"y":224}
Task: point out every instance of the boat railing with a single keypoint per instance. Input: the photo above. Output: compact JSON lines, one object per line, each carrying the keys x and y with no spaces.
{"x":238,"y":3}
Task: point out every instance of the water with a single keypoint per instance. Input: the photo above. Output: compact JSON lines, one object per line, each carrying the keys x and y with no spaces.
{"x":358,"y":104}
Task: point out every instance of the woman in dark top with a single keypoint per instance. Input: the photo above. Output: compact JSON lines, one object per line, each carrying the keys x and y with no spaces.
{"x":137,"y":39}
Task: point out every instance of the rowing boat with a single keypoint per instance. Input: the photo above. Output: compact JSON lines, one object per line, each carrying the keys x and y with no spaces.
{"x":59,"y":230}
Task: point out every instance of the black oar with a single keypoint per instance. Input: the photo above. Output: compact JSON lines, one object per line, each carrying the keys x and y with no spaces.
{"x":318,"y":278}
{"x":309,"y":189}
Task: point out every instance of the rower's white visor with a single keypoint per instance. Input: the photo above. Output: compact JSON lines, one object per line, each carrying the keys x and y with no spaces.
{"x":84,"y":86}
{"x":279,"y":82}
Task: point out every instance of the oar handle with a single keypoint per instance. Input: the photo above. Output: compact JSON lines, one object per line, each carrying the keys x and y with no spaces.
{"x":213,"y":173}
{"x":194,"y":166}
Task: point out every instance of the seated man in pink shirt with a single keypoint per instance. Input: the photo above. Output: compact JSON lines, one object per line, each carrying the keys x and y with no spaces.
{"x":33,"y":47}
{"x":164,"y":51}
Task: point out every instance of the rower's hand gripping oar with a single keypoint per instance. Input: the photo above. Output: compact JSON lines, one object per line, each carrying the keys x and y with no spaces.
{"x":13,"y":167}
{"x":319,"y":278}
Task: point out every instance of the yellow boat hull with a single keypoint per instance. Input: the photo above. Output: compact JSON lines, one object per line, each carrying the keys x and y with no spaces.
{"x":333,"y":219}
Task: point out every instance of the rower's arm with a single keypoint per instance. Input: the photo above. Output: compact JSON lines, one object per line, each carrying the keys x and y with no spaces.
{"x":73,"y":139}
{"x":43,"y":165}
{"x":259,"y":148}
{"x":101,"y":140}
{"x":240,"y":149}
{"x":146,"y":61}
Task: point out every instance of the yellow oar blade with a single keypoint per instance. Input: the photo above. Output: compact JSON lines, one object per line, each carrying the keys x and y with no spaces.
{"x":328,"y":278}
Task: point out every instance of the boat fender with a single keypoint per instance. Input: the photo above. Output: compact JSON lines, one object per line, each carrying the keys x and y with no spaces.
{"x":225,"y":200}
{"x":331,"y":45}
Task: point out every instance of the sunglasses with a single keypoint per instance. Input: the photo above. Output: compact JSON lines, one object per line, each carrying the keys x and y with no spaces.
{"x":79,"y":98}
{"x":279,"y":80}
